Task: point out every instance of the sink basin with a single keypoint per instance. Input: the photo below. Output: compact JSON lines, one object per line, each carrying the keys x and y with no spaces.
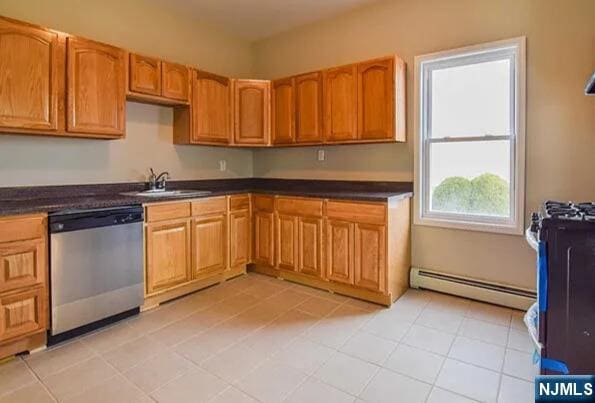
{"x":169,"y":193}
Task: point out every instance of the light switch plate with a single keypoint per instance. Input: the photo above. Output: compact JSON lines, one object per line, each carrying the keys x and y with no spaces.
{"x":223,"y":165}
{"x":321,"y":155}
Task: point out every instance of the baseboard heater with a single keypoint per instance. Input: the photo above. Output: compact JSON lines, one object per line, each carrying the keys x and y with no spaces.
{"x":512,"y":297}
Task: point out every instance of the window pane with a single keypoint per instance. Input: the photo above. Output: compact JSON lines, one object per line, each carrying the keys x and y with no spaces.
{"x":470,"y":177}
{"x":471,"y":100}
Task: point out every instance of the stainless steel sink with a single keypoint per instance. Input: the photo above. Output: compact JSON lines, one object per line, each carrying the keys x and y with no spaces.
{"x":169,"y":193}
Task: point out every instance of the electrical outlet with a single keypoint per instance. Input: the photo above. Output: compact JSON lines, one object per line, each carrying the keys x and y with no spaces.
{"x":223,"y":165}
{"x":321,"y":155}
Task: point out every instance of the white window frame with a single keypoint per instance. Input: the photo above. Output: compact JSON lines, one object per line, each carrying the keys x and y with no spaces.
{"x":514,"y":49}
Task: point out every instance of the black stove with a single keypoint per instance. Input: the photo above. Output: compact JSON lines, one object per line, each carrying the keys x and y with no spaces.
{"x":563,"y":233}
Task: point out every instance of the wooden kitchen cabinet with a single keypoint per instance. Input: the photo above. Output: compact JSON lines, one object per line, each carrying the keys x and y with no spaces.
{"x":24,"y":264}
{"x":96,"y":79}
{"x":251,"y":112}
{"x":239,"y":238}
{"x":175,"y":81}
{"x":361,"y":249}
{"x":145,"y":74}
{"x":239,"y":232}
{"x":264,"y":228}
{"x":308,"y":108}
{"x":283,"y":111}
{"x":31,"y":78}
{"x":23,"y":283}
{"x":369,"y":256}
{"x":381,"y":96}
{"x":209,"y":245}
{"x":211,"y":108}
{"x":168,"y":258}
{"x":309,"y":246}
{"x":286,"y":238}
{"x":340,"y":251}
{"x":340,"y":104}
{"x":23,"y":313}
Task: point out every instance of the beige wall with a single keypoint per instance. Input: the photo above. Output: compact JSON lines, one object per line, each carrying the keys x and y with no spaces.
{"x":147,"y":28}
{"x":560,"y":119}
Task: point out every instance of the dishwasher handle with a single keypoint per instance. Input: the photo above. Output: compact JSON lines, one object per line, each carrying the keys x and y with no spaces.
{"x":82,"y":220}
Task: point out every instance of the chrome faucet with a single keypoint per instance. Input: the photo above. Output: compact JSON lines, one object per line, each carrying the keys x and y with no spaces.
{"x":157,"y":182}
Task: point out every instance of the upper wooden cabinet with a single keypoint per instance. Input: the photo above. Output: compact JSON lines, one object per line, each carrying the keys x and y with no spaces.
{"x":175,"y":81}
{"x":145,"y":75}
{"x":379,"y":89}
{"x":283,"y":111}
{"x":96,"y":80}
{"x":340,"y":104}
{"x":31,"y":78}
{"x":157,"y":81}
{"x":211,"y":108}
{"x":251,"y":112}
{"x":308,"y":108}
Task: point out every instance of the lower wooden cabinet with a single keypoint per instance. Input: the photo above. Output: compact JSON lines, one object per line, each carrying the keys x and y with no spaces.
{"x":286,"y":236}
{"x":264,"y":238}
{"x":340,"y":251}
{"x":23,"y":264}
{"x":168,"y":254}
{"x":23,"y":313}
{"x":23,"y":283}
{"x":309,"y":246}
{"x":209,"y":245}
{"x":370,"y":256}
{"x":239,"y":238}
{"x":355,"y":248}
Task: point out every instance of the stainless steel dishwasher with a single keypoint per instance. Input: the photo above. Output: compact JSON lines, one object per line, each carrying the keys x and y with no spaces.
{"x":96,"y":268}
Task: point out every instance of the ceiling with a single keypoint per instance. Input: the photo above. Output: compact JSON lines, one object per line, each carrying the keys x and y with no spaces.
{"x":258,"y":19}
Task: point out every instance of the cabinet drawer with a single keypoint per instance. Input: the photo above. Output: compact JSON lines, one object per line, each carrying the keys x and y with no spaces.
{"x":17,"y":228}
{"x":359,"y":212}
{"x":239,"y":202}
{"x":22,"y":313}
{"x":22,"y":264}
{"x":168,"y":211}
{"x":303,"y":207}
{"x":263,"y":203}
{"x":209,"y":206}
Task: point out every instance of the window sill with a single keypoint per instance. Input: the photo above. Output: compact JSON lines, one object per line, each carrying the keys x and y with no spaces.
{"x":496,"y":228}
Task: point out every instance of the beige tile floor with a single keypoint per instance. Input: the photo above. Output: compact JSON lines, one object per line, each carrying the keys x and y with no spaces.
{"x":259,"y":339}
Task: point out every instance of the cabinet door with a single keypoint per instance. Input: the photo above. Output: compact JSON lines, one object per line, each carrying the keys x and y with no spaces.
{"x":239,"y":238}
{"x":23,"y":264}
{"x":145,"y":75}
{"x":340,"y":104}
{"x":96,"y":88}
{"x":340,"y":251}
{"x":168,"y":254}
{"x":22,"y":313}
{"x":310,"y":246}
{"x":175,"y":80}
{"x":211,"y":105}
{"x":263,"y":238}
{"x":287,"y":234}
{"x":30,"y":71}
{"x":370,"y":256}
{"x":251,"y":112}
{"x":376,"y":99}
{"x":283,"y":105}
{"x":209,"y":245}
{"x":308,"y":109}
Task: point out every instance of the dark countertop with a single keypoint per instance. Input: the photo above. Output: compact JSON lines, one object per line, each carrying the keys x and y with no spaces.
{"x":37,"y":199}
